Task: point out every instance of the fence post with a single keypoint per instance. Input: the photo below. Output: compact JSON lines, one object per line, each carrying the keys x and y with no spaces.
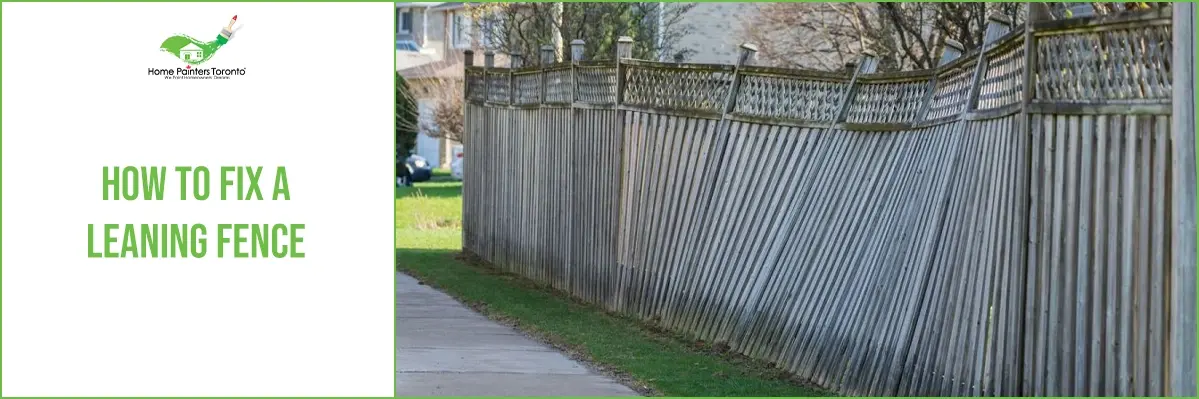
{"x":576,"y":55}
{"x":469,"y":228}
{"x":952,"y":50}
{"x":868,"y":64}
{"x":624,"y":49}
{"x":748,"y":51}
{"x":1182,"y":319}
{"x":468,"y":60}
{"x":547,"y":58}
{"x":547,"y":55}
{"x":980,"y":70}
{"x":515,"y":60}
{"x":997,"y":26}
{"x":576,"y":50}
{"x":721,"y":142}
{"x":1036,"y":12}
{"x":488,"y":63}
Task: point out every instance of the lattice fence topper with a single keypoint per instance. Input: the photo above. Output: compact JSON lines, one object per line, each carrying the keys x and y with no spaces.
{"x":701,"y":88}
{"x":809,"y":96}
{"x":952,"y":91}
{"x":527,"y":83}
{"x":497,"y":86}
{"x":557,"y":84}
{"x":889,"y":98}
{"x":1119,"y":62}
{"x":596,"y":84}
{"x":474,"y":84}
{"x":1076,"y":61}
{"x":1003,"y":81}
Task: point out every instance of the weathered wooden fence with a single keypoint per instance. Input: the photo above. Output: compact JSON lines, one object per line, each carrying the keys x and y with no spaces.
{"x":1017,"y":221}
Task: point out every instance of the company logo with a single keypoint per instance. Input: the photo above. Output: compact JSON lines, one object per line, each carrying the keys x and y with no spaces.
{"x":194,"y":52}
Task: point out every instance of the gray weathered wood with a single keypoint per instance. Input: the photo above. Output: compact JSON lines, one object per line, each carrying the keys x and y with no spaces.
{"x":1182,"y":197}
{"x":997,"y":226}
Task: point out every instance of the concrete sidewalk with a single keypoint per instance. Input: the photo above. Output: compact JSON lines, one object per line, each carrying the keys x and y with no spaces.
{"x":446,"y":349}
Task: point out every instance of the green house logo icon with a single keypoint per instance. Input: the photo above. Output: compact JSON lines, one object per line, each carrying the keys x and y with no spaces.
{"x":193,"y":51}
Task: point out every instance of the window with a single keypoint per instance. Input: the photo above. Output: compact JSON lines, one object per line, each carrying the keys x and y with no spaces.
{"x":461,"y":30}
{"x":490,"y":24}
{"x":407,"y":45}
{"x":405,"y":20}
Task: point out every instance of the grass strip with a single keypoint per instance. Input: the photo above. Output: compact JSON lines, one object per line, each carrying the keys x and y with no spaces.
{"x":655,"y":361}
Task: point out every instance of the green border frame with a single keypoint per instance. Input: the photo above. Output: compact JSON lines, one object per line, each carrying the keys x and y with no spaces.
{"x":391,"y":46}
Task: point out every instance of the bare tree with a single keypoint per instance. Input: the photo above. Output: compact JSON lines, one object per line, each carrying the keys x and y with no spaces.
{"x":525,"y":27}
{"x":905,"y":36}
{"x":447,"y":114}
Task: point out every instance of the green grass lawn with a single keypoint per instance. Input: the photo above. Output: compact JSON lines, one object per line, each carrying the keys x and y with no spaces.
{"x":428,"y":246}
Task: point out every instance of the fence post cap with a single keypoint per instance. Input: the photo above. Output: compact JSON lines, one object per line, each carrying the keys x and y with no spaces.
{"x":955,"y":44}
{"x":999,"y":17}
{"x":576,"y":50}
{"x":1039,"y":12}
{"x":547,"y":54}
{"x":748,"y":52}
{"x":624,"y":47}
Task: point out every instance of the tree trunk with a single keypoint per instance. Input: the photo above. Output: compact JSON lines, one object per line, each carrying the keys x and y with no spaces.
{"x":557,"y":31}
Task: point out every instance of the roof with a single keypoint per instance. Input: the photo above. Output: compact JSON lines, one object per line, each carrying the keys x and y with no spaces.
{"x":449,"y":67}
{"x":418,"y":4}
{"x":448,"y":6}
{"x":190,"y":47}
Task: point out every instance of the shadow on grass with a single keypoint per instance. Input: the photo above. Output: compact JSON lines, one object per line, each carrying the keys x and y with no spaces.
{"x":639,"y":354}
{"x":447,"y":189}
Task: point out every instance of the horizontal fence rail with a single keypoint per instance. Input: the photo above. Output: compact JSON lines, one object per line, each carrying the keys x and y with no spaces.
{"x":1004,"y":224}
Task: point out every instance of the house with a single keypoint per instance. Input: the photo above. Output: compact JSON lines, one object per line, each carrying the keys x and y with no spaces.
{"x":191,"y":53}
{"x":430,"y":40}
{"x":429,"y":83}
{"x":709,"y":33}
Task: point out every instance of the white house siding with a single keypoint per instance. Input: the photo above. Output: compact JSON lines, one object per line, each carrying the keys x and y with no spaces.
{"x":713,"y":32}
{"x":427,"y":147}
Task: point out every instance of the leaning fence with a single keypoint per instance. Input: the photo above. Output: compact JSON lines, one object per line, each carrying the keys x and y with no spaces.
{"x":1017,"y":221}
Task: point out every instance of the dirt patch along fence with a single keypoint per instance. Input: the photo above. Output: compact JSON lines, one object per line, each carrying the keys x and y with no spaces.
{"x":1017,"y":221}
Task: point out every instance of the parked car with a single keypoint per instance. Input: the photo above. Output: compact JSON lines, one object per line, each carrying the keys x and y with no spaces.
{"x":456,"y":165}
{"x":419,"y":168}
